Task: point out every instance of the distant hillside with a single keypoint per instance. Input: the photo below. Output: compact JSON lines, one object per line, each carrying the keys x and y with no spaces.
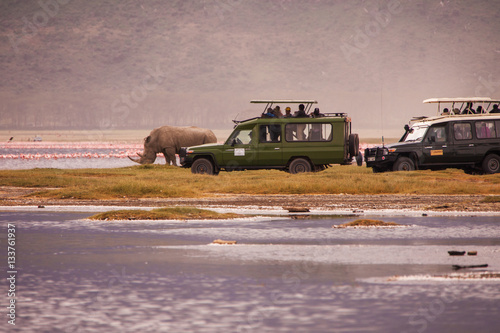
{"x":127,"y":64}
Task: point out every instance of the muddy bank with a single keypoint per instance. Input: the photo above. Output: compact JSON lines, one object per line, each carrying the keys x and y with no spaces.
{"x":14,"y":196}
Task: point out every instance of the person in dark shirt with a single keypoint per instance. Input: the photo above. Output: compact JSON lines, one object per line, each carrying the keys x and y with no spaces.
{"x":495,"y":109}
{"x":301,"y":113}
{"x":316,"y":113}
{"x":468,"y":109}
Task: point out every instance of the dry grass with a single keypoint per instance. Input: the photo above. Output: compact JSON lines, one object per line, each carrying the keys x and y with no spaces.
{"x":174,"y":213}
{"x":491,"y":199}
{"x":159,"y":181}
{"x":367,"y":223}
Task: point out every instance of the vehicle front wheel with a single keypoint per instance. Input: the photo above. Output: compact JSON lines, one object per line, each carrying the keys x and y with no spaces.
{"x":403,"y":164}
{"x":491,"y":164}
{"x":299,"y":165}
{"x":203,"y":166}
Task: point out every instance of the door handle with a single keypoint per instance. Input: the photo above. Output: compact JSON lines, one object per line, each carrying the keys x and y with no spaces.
{"x":471,"y":145}
{"x":276,"y":149}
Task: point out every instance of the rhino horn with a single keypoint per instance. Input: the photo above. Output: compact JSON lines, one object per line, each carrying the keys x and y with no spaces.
{"x":135,"y":159}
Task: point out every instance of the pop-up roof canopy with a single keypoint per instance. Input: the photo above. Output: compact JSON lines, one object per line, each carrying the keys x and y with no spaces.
{"x":270,"y":102}
{"x":463,"y":100}
{"x":284,"y":101}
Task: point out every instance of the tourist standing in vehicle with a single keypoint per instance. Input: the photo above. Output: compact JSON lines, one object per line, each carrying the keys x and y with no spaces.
{"x":277,"y":112}
{"x":300,"y":135}
{"x":301,"y":113}
{"x":316,"y":113}
{"x":468,"y":109}
{"x":289,"y":128}
{"x":495,"y":109}
{"x":268,"y":114}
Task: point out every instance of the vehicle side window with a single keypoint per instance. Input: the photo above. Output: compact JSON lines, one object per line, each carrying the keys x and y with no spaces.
{"x":485,"y":129}
{"x":462,"y":131}
{"x":240,"y":137}
{"x":436,"y":134}
{"x":308,"y":132}
{"x":497,"y":123}
{"x":270,"y":133}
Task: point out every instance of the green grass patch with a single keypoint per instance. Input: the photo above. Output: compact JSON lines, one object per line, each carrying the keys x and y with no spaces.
{"x":173,"y":213}
{"x":160,"y":181}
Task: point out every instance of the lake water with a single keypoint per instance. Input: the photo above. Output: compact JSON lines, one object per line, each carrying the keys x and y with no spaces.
{"x":68,"y":155}
{"x":283,"y":275}
{"x":72,"y":155}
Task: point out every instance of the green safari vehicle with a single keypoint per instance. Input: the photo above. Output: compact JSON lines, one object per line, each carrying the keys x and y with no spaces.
{"x":300,"y":143}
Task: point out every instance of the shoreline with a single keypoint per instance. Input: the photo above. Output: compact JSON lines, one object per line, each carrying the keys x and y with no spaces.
{"x":15,"y":196}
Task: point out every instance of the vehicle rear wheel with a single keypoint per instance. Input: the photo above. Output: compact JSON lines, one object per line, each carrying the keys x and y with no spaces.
{"x":299,"y":165}
{"x":203,"y":166}
{"x":491,"y":164}
{"x":403,"y":164}
{"x":353,"y":145}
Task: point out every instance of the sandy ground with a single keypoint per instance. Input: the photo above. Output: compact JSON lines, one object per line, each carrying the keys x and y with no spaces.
{"x":14,"y":196}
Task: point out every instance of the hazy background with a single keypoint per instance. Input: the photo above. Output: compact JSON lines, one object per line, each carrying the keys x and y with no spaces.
{"x":130,"y":64}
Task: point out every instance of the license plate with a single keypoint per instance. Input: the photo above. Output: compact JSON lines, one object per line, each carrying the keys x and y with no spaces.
{"x":371,"y":159}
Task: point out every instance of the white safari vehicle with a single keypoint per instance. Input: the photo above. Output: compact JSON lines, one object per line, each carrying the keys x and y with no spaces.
{"x":457,"y":137}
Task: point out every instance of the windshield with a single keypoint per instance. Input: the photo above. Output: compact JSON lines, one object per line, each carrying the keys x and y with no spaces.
{"x":416,"y":133}
{"x":240,"y":137}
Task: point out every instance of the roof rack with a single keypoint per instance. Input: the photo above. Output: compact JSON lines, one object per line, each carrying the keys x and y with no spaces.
{"x":335,"y":114}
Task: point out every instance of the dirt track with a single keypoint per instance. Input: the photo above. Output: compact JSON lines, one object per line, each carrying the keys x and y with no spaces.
{"x":12,"y":196}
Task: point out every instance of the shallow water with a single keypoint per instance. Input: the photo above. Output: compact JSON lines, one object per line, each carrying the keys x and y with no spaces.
{"x":76,"y":275}
{"x":68,"y":155}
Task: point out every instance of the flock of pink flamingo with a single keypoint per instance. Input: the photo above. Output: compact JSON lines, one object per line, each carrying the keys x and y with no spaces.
{"x":121,"y":150}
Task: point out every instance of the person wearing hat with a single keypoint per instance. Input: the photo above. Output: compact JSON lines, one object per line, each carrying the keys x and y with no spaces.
{"x":288,"y":112}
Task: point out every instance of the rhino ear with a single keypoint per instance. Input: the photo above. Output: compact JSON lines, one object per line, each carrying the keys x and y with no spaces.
{"x":147,"y":139}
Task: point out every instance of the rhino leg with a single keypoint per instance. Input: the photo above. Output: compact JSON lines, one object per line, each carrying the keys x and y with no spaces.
{"x":169,"y":154}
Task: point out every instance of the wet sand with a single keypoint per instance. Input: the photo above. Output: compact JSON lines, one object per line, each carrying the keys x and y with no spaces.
{"x":15,"y":196}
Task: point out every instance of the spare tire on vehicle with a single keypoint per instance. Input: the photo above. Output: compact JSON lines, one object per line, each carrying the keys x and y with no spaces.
{"x":353,"y":145}
{"x":359,"y":159}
